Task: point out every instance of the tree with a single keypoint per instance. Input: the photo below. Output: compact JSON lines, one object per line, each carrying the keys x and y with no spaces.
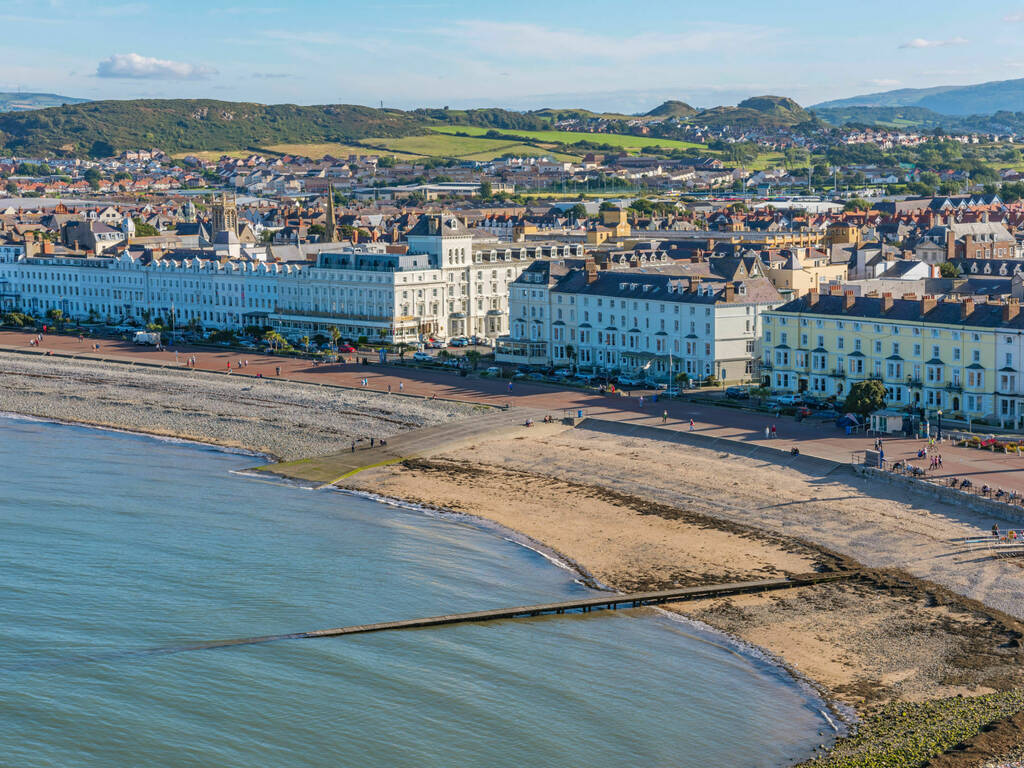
{"x":57,"y":316}
{"x":486,"y":190}
{"x":857,"y":204}
{"x":577,"y":212}
{"x":305,"y":342}
{"x":12,"y":188}
{"x":866,"y":397}
{"x":402,"y":349}
{"x":949,"y":269}
{"x":142,"y":229}
{"x":386,"y":161}
{"x":335,"y":337}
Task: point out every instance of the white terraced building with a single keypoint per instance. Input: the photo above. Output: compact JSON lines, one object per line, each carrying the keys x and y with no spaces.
{"x":657,"y":320}
{"x":444,"y":286}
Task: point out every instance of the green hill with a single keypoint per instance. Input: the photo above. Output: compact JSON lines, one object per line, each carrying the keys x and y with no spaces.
{"x":175,"y":125}
{"x":672,"y":108}
{"x":19,"y":102}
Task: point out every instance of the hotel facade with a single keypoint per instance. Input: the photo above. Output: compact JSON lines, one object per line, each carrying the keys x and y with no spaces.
{"x":656,"y":321}
{"x":961,"y":357}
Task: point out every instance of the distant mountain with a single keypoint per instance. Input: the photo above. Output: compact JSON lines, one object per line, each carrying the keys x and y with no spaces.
{"x":19,"y":102}
{"x":672,"y":109}
{"x":102,"y":128}
{"x":982,"y":99}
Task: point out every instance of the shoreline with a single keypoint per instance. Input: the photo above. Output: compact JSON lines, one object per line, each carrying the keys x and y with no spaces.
{"x":931,"y":627}
{"x":846,"y":716}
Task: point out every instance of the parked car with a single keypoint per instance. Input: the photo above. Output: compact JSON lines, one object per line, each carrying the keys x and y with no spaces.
{"x":629,"y":381}
{"x":785,"y":399}
{"x":482,"y":341}
{"x":423,"y":357}
{"x":829,"y":414}
{"x":433,"y":344}
{"x":346,"y":348}
{"x":493,"y":371}
{"x":672,"y":392}
{"x":737,"y":393}
{"x":459,"y":341}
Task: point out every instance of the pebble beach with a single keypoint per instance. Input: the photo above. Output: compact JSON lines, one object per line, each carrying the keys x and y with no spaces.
{"x":282,"y":419}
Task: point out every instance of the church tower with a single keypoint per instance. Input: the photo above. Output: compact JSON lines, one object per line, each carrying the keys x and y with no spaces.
{"x":224,"y":215}
{"x":330,"y":233}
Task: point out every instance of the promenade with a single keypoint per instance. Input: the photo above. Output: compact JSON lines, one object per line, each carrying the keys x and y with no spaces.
{"x":812,"y":438}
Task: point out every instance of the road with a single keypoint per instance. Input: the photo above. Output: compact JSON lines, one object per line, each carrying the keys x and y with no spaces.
{"x":812,"y":438}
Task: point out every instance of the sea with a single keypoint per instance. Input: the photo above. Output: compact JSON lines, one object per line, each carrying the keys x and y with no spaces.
{"x":114,"y":545}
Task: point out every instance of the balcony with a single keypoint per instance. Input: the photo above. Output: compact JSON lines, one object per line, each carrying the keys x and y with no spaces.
{"x":915,"y":383}
{"x":954,"y":388}
{"x":767,"y":366}
{"x":838,"y":373}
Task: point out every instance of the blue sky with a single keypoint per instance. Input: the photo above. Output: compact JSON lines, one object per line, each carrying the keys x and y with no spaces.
{"x":620,"y":55}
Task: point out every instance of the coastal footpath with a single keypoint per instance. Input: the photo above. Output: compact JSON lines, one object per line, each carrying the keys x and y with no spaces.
{"x":926,"y":647}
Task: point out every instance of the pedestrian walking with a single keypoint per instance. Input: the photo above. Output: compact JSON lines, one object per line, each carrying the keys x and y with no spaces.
{"x":664,"y":417}
{"x":389,"y":389}
{"x":767,"y":433}
{"x":691,"y":425}
{"x":353,"y":446}
{"x":510,"y":386}
{"x":641,"y":401}
{"x":371,"y":442}
{"x":939,"y":459}
{"x":774,"y":432}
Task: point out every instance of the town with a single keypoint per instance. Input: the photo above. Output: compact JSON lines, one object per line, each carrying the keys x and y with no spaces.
{"x":800,"y":296}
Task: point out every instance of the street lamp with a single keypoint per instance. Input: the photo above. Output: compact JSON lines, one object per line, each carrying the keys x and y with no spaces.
{"x":939,"y":428}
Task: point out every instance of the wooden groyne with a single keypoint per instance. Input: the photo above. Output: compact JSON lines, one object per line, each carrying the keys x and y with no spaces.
{"x":584,"y":605}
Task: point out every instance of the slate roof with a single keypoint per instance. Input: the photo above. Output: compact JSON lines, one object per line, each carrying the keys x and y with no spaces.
{"x":904,"y":310}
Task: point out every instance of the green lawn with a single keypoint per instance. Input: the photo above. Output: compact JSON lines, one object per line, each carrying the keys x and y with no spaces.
{"x":464,"y":147}
{"x":570,"y":137}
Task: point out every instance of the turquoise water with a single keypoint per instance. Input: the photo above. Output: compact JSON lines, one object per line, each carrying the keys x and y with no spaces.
{"x":112,"y":543}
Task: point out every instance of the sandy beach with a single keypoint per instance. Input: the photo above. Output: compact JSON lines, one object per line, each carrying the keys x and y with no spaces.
{"x":929,"y":621}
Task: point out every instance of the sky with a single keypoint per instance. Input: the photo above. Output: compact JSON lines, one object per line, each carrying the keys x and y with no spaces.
{"x":617,"y":56}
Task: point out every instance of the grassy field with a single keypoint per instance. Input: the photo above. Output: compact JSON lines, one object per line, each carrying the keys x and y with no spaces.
{"x":316,"y":151}
{"x":463,"y":147}
{"x":569,"y":137}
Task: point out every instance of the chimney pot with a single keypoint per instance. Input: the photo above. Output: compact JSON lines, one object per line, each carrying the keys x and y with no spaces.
{"x":1011,"y":309}
{"x":966,"y":308}
{"x":848,"y":300}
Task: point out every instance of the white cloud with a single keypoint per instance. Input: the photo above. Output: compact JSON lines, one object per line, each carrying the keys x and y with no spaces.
{"x":134,"y":66}
{"x":920,"y":42}
{"x":1014,"y":18}
{"x":882,"y":82}
{"x":518,"y":39}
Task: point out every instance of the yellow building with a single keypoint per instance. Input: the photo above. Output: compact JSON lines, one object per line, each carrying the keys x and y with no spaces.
{"x":929,"y":354}
{"x":798,"y":274}
{"x":842,"y":233}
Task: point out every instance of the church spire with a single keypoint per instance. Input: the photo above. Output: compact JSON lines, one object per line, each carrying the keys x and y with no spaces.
{"x":329,"y":225}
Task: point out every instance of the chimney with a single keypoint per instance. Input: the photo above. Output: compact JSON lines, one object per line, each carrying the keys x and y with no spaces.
{"x":910,"y":297}
{"x":729,"y":293}
{"x":966,"y":308}
{"x":591,"y":268}
{"x":1011,"y":309}
{"x":48,"y":246}
{"x":812,"y":297}
{"x":968,"y":246}
{"x":886,"y":302}
{"x":950,"y":245}
{"x":835,"y":290}
{"x":848,"y":300}
{"x":695,"y":284}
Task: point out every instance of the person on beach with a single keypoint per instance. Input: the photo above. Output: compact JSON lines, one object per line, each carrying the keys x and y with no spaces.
{"x":279,"y":370}
{"x":939,"y":460}
{"x":353,"y":446}
{"x":995,"y":530}
{"x":401,"y":386}
{"x":389,"y":389}
{"x":371,"y":442}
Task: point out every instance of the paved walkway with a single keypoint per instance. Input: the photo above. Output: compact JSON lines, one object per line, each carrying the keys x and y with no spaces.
{"x":813,"y":438}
